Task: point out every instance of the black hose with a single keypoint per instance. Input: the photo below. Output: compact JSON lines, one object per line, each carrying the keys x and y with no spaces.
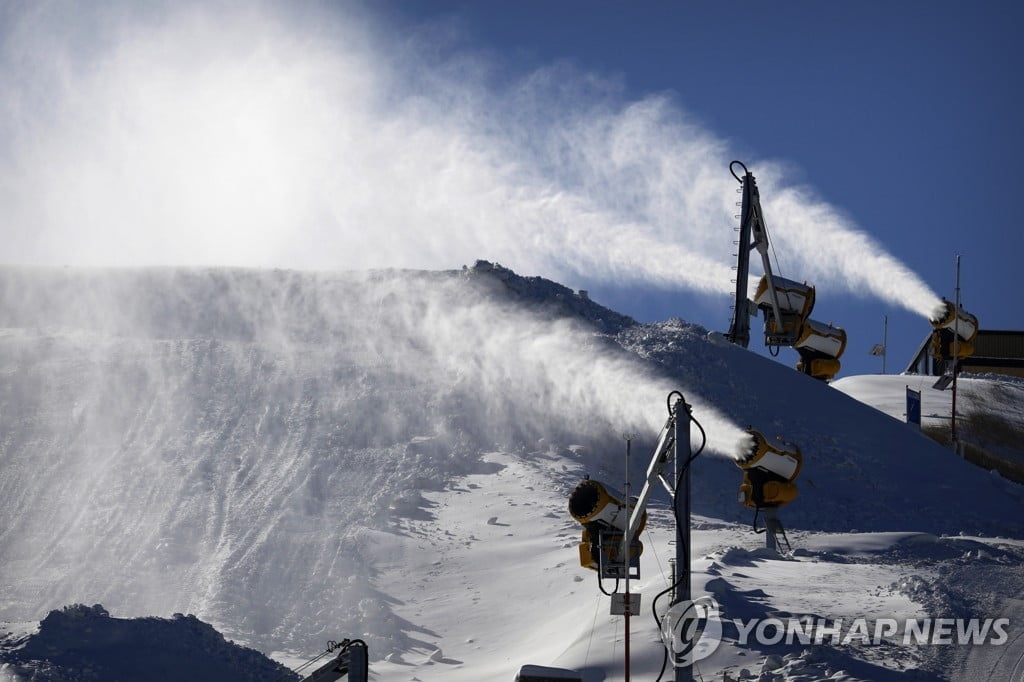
{"x":668,"y":400}
{"x":600,"y":585}
{"x":741,"y":165}
{"x":757,"y":510}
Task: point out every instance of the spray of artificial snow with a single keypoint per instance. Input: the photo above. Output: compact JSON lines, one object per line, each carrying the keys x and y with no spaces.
{"x":831,"y":246}
{"x":217,"y":436}
{"x":320,"y":141}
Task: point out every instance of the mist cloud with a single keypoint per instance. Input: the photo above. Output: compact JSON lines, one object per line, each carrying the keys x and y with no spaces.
{"x":262,"y":135}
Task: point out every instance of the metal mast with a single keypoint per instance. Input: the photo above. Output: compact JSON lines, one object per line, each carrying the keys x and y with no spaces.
{"x":681,"y":501}
{"x":956,"y":354}
{"x":739,"y":329}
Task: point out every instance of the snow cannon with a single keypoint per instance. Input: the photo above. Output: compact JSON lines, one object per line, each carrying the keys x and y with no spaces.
{"x":795,"y":301}
{"x":953,"y":321}
{"x":794,"y":298}
{"x":605,"y":519}
{"x":820,"y":346}
{"x":769,"y":470}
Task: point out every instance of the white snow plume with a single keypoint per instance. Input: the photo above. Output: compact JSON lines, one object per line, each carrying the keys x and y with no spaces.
{"x":176,"y":137}
{"x":559,"y":368}
{"x":833,"y":252}
{"x":230,"y":443}
{"x":265,"y":135}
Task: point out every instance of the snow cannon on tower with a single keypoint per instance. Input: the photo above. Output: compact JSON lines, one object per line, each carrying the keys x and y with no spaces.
{"x":605,"y":520}
{"x":769,"y":469}
{"x":955,"y":331}
{"x":794,"y":302}
{"x":785,"y":304}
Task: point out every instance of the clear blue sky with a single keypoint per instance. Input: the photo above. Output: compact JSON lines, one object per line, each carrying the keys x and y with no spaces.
{"x":906,"y":115}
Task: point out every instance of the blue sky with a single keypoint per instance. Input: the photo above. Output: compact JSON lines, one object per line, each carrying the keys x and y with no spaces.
{"x":905,"y":115}
{"x":586,"y":142}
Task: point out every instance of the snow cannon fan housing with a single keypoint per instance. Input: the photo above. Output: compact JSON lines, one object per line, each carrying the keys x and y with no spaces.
{"x":769,"y":470}
{"x":953,"y":322}
{"x":605,"y":519}
{"x":795,"y":300}
{"x":820,"y":347}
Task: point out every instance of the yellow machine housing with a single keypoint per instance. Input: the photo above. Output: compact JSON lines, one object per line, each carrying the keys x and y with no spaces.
{"x":958,"y":321}
{"x":820,"y":346}
{"x":794,"y":297}
{"x":605,"y":519}
{"x":589,"y":547}
{"x":590,"y":502}
{"x":821,"y":338}
{"x":942,"y":347}
{"x":823,"y":369}
{"x":769,"y":469}
{"x":953,"y":322}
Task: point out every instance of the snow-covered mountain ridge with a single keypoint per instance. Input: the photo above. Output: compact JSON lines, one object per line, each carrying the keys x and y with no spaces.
{"x":286,"y":454}
{"x":86,"y":643}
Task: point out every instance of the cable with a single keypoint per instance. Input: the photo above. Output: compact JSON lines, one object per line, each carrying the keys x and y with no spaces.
{"x":593,"y":626}
{"x":600,"y":584}
{"x":772,"y":245}
{"x":650,"y":539}
{"x":703,"y":437}
{"x":333,"y":646}
{"x":664,"y":662}
{"x":309,"y":662}
{"x":741,"y":165}
{"x":757,"y":510}
{"x":668,"y":400}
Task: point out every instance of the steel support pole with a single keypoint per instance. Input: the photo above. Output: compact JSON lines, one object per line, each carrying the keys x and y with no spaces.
{"x":885,"y":340}
{"x":681,"y":500}
{"x":739,"y":329}
{"x":771,"y":543}
{"x":627,"y":542}
{"x":956,"y":356}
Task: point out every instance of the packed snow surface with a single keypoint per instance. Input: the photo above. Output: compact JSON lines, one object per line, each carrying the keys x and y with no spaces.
{"x":301,"y":457}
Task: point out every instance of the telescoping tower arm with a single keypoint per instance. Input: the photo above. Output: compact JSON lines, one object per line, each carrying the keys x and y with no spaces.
{"x":664,"y":454}
{"x":753,"y":235}
{"x":786,"y":304}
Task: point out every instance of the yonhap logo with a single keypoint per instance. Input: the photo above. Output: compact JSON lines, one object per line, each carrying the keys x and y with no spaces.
{"x":692,"y":630}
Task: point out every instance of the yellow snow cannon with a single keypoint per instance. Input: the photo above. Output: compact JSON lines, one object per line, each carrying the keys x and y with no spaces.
{"x":953,"y":321}
{"x":820,"y":346}
{"x":605,"y":519}
{"x":769,"y":469}
{"x":795,"y":300}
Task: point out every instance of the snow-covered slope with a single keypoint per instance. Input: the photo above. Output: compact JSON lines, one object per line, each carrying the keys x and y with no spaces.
{"x":299,"y":457}
{"x":862,"y":470}
{"x":216,"y":442}
{"x":990,"y":421}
